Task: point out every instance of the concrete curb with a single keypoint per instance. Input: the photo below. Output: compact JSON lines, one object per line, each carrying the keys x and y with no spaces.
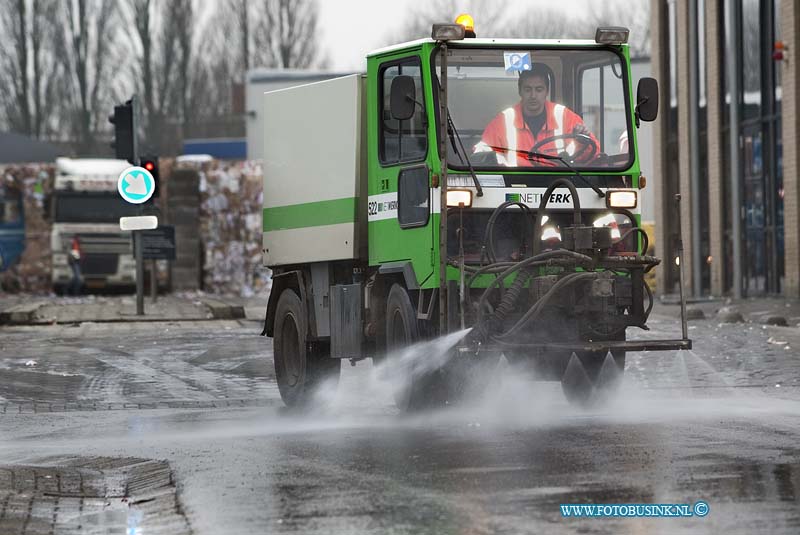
{"x":20,"y":314}
{"x":224,"y":311}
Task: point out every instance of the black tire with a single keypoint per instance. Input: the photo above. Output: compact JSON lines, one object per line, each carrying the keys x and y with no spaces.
{"x":470,"y":378}
{"x":412,"y":391}
{"x":300,"y":366}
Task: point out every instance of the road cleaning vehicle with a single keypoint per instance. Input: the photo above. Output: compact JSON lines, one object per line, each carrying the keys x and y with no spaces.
{"x":393,"y":215}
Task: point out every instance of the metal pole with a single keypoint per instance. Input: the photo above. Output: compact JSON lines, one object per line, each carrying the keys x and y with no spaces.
{"x":137,"y":245}
{"x":135,"y":128}
{"x":733,"y":72}
{"x":684,"y":325}
{"x":153,"y":281}
{"x":461,"y":274}
{"x":694,"y":150}
{"x":137,"y":234}
{"x":443,"y":123}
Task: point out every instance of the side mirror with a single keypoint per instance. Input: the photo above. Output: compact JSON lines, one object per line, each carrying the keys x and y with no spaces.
{"x":647,"y":100}
{"x":401,"y":98}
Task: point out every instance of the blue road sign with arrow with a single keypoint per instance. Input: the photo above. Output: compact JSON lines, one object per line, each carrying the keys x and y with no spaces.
{"x":136,"y":185}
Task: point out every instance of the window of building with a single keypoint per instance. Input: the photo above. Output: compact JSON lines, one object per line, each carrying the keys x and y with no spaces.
{"x":751,"y":58}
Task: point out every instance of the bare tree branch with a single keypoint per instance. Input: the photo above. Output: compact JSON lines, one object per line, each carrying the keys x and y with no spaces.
{"x":89,"y":41}
{"x":290,"y":34}
{"x":26,"y":65}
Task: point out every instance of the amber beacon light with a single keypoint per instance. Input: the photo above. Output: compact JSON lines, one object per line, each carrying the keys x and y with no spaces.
{"x":468,"y":23}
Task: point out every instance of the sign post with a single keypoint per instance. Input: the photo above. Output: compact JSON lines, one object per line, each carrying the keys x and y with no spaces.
{"x":136,"y":186}
{"x":157,"y":244}
{"x":137,"y":244}
{"x":153,"y":281}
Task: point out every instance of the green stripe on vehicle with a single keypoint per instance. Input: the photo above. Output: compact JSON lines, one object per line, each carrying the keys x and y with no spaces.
{"x":311,"y":214}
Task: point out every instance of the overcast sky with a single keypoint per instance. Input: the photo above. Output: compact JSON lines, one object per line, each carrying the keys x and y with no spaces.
{"x":352,"y":28}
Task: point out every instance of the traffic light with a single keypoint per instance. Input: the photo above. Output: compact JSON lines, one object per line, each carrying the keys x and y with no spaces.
{"x":151,"y":164}
{"x":124,"y":132}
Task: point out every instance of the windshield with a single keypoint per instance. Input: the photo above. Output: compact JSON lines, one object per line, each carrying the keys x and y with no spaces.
{"x":10,"y":206}
{"x":509,"y":104}
{"x":79,"y":207}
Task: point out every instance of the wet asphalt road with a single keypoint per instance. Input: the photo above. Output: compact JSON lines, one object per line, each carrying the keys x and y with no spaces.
{"x":719,"y":424}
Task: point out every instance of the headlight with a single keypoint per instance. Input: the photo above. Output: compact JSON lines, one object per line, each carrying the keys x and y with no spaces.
{"x":612,"y":35}
{"x":447,"y":32}
{"x":608,"y":220}
{"x":459,"y":197}
{"x":621,"y":199}
{"x":550,"y":233}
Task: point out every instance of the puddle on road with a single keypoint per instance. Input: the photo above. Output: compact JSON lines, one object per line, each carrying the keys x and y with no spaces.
{"x":688,"y":389}
{"x":674,"y":387}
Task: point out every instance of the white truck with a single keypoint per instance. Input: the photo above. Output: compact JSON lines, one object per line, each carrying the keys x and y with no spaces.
{"x":86,"y":205}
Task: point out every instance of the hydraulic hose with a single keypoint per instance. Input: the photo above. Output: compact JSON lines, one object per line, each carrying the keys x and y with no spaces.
{"x":488,"y":237}
{"x":534,"y":311}
{"x":576,"y":209}
{"x":645,"y":238}
{"x":508,"y":300}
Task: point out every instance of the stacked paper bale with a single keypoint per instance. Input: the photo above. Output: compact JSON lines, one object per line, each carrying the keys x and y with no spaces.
{"x":231,"y":228}
{"x":32,"y":272}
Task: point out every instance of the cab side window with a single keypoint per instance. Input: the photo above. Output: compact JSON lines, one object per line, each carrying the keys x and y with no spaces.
{"x":402,"y":141}
{"x":413,"y":197}
{"x":603,"y":107}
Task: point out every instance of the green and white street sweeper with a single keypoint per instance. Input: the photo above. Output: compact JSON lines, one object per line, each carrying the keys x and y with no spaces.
{"x":489,"y":186}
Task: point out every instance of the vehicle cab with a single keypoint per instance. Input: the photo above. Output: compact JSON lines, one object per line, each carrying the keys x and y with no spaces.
{"x":588,"y":80}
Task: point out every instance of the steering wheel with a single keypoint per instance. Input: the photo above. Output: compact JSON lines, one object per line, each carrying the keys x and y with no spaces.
{"x":586,"y":144}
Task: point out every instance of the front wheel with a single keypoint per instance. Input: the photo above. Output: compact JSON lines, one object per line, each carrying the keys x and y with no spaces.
{"x":416,"y":383}
{"x":301,"y":367}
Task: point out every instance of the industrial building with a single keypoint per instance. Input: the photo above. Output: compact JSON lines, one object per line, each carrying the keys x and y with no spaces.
{"x":726,"y":141}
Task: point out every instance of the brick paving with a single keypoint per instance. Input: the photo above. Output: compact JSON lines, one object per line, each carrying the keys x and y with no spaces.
{"x":90,"y":495}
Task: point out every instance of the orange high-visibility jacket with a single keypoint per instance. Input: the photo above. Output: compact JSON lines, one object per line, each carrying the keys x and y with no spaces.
{"x":508,"y":129}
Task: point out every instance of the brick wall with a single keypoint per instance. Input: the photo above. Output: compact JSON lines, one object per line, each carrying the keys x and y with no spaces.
{"x":790,"y":33}
{"x":685,"y":161}
{"x":658,"y":24}
{"x":716,"y":167}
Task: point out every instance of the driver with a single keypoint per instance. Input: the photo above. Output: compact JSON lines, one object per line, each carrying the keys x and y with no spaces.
{"x":533,"y":120}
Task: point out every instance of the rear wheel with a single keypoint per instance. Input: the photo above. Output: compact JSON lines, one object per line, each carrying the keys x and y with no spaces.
{"x":301,"y":367}
{"x":415,"y":386}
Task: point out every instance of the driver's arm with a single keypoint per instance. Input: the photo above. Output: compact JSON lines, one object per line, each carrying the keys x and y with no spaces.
{"x":491,"y":137}
{"x":573,"y":124}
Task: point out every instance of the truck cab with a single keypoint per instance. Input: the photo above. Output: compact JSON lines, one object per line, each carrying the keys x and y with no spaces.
{"x":86,"y":205}
{"x":465,"y":211}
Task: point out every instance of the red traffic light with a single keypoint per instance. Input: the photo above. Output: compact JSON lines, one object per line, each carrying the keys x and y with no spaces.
{"x":150,"y":164}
